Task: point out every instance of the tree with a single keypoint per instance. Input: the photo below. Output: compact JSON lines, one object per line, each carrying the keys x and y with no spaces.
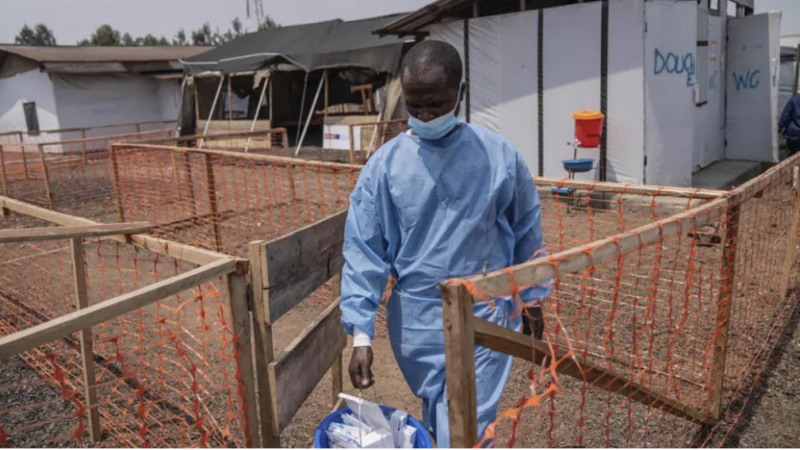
{"x":266,"y":23}
{"x":238,"y":29}
{"x":40,"y":35}
{"x":128,"y":40}
{"x":203,"y":35}
{"x":180,"y":38}
{"x":149,"y":41}
{"x":105,"y":35}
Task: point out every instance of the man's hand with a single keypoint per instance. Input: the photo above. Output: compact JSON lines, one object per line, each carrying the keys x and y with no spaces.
{"x":533,"y":322}
{"x":361,"y":368}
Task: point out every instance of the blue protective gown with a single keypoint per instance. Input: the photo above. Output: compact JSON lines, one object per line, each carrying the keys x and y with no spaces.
{"x":426,"y":211}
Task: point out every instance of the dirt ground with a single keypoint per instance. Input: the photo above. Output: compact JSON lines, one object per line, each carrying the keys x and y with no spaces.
{"x":771,"y":415}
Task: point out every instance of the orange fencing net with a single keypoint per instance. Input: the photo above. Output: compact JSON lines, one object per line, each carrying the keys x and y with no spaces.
{"x":223,"y":200}
{"x":59,"y":175}
{"x":163,"y":375}
{"x":72,"y":134}
{"x":655,"y":336}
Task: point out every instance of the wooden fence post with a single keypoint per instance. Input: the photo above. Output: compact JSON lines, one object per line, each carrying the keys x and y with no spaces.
{"x":240,"y":315}
{"x":262,"y":330}
{"x":24,"y":161}
{"x":47,"y":187}
{"x":212,"y":202}
{"x":352,"y":145}
{"x":791,"y":245}
{"x":336,"y":369}
{"x":459,"y":343}
{"x":187,"y":164}
{"x":3,"y":171}
{"x":115,"y":175}
{"x":724,"y":302}
{"x":87,"y":352}
{"x":138,"y":128}
{"x":290,"y":172}
{"x":83,"y":145}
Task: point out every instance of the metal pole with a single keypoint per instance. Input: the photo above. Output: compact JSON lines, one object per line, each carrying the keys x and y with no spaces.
{"x":302,"y":104}
{"x":180,"y":107}
{"x":258,"y":111}
{"x":213,"y":106}
{"x":796,"y":70}
{"x":310,"y":113}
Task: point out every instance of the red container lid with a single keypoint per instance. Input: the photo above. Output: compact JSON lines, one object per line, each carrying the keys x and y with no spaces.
{"x":588,"y":114}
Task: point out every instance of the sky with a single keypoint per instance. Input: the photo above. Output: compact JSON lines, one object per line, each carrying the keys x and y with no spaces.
{"x":790,"y":20}
{"x":74,"y":20}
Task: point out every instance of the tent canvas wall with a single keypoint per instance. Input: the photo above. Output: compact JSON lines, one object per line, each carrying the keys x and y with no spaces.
{"x":70,"y":101}
{"x":663,"y":92}
{"x":73,"y":86}
{"x":32,"y":86}
{"x":298,"y":57}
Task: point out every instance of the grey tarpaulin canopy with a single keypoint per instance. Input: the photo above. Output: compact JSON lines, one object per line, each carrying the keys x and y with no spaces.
{"x":313,"y":46}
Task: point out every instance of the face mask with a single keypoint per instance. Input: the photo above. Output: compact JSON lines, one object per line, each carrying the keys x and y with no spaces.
{"x":438,"y":127}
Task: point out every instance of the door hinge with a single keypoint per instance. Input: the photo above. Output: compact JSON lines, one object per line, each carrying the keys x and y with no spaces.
{"x":645,"y":161}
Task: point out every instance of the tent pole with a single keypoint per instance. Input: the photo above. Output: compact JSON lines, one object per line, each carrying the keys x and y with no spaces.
{"x":196,"y":101}
{"x":180,"y":107}
{"x":302,"y":105}
{"x":230,"y":103}
{"x":310,"y":113}
{"x":213,"y":106}
{"x":374,"y":134}
{"x":325,"y":113}
{"x":796,"y":70}
{"x":258,"y":110}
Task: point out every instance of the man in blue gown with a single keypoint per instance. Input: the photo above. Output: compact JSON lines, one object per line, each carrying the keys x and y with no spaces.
{"x":446,"y":199}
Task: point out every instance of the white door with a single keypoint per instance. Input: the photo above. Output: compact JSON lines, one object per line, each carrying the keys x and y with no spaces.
{"x":751,"y":131}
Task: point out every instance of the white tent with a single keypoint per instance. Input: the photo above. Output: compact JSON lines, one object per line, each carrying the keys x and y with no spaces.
{"x":655,"y":68}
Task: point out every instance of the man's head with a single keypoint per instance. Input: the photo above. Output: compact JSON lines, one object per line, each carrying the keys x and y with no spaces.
{"x":431,"y":75}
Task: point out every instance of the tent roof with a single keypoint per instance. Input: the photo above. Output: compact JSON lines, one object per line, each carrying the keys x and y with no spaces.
{"x":16,"y":59}
{"x":313,"y":46}
{"x":436,"y":11}
{"x":101,"y":54}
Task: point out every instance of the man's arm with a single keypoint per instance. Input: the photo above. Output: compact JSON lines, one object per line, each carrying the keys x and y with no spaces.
{"x":786,"y":116}
{"x":525,"y":217}
{"x":364,"y":279}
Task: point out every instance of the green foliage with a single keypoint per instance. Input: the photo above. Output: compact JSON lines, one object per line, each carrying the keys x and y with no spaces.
{"x":40,"y":35}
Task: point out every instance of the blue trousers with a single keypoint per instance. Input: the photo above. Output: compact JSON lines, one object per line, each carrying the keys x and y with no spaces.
{"x":417,"y":339}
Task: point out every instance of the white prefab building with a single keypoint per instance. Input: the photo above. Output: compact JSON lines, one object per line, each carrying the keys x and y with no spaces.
{"x":50,"y":88}
{"x":662,"y":72}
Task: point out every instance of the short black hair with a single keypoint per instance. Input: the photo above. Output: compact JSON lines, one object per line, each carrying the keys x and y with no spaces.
{"x":426,"y":55}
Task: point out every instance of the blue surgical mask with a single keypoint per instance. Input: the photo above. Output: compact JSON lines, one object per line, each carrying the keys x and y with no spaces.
{"x":438,"y":127}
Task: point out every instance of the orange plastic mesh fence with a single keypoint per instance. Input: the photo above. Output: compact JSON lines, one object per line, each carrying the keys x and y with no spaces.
{"x":223,"y":200}
{"x":675,"y":318}
{"x":165,"y":375}
{"x":69,"y":134}
{"x":263,"y":196}
{"x":272,"y":141}
{"x":69,"y":176}
{"x":368,"y":137}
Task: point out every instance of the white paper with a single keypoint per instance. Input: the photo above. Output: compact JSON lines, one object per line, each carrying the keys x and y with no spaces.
{"x":409,"y":436}
{"x":370,"y":413}
{"x":397,"y":422}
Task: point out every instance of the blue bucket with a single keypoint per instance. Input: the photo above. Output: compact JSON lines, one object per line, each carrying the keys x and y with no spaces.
{"x":422,"y":439}
{"x":578,"y":165}
{"x":561,"y":191}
